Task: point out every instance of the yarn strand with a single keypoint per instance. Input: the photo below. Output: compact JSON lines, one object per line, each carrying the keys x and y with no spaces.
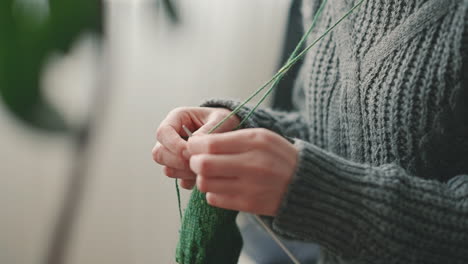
{"x":293,"y":54}
{"x":284,"y":69}
{"x":178,"y":199}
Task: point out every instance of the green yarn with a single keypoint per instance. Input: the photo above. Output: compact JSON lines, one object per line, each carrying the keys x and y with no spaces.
{"x":286,"y":67}
{"x":209,"y":234}
{"x":291,"y":57}
{"x":178,"y":198}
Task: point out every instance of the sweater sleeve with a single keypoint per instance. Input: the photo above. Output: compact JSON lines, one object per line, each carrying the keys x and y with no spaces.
{"x":374,"y":214}
{"x":289,"y":124}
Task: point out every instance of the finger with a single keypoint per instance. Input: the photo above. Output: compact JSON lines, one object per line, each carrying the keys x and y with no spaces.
{"x":226,"y":166}
{"x":168,"y":136}
{"x":170,"y":131}
{"x":215,"y":118}
{"x":218,"y":185}
{"x":241,"y":141}
{"x":223,"y":143}
{"x":238,"y":202}
{"x":163,"y":156}
{"x":250,"y":166}
{"x":229,"y":201}
{"x":179,"y":174}
{"x":187,"y":184}
{"x":205,"y":129}
{"x":230,"y":142}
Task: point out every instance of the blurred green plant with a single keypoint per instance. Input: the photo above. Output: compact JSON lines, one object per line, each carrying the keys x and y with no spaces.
{"x":170,"y":10}
{"x":29,"y":31}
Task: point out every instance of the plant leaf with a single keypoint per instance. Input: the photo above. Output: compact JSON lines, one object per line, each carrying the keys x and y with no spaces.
{"x":26,"y":39}
{"x":171,"y":10}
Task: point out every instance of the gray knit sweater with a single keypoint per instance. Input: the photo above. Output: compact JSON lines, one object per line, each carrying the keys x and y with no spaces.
{"x":382,"y":129}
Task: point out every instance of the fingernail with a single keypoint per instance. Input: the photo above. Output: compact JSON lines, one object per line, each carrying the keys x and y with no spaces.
{"x":186,"y":154}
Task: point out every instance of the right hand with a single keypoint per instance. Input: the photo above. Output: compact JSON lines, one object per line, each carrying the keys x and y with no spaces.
{"x":171,"y":149}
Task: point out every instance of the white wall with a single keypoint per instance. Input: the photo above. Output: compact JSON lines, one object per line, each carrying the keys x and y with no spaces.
{"x":221,"y":49}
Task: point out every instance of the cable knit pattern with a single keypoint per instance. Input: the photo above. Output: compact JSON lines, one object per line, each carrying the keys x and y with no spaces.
{"x":382,"y":128}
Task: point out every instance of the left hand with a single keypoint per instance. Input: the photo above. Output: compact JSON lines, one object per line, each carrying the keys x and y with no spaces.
{"x":246,"y":170}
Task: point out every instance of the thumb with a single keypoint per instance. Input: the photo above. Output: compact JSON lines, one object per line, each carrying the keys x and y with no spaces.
{"x":205,"y":129}
{"x":216,"y":117}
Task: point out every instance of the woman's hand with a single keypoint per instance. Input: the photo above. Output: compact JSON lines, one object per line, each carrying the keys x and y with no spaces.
{"x":246,"y":170}
{"x":171,"y":147}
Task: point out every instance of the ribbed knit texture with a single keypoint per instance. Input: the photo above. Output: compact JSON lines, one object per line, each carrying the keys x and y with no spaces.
{"x":382,"y":129}
{"x":209,"y":235}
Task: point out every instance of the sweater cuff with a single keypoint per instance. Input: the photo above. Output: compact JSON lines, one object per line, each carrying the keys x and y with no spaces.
{"x":314,"y":209}
{"x":231,"y":105}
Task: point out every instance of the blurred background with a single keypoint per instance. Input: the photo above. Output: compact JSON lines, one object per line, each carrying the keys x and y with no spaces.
{"x":143,"y":66}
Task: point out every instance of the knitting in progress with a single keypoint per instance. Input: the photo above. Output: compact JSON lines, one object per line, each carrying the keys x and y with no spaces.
{"x":209,"y":234}
{"x":382,"y":132}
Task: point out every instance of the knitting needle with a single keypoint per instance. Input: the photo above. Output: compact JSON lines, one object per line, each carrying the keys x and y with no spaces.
{"x":260,"y":221}
{"x":189,"y":133}
{"x":277,"y":240}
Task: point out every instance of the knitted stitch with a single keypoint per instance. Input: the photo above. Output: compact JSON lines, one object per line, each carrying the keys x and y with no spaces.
{"x":382,"y":131}
{"x":208,"y":235}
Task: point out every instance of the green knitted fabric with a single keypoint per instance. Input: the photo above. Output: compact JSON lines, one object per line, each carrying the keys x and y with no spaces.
{"x":208,"y":234}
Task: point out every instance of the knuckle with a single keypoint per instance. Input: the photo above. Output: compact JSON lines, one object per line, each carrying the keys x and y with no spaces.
{"x":188,"y":185}
{"x":168,"y":172}
{"x":160,"y":132}
{"x":262,"y":137}
{"x":218,"y":115}
{"x":177,"y":110}
{"x":251,"y":133}
{"x":157,"y":155}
